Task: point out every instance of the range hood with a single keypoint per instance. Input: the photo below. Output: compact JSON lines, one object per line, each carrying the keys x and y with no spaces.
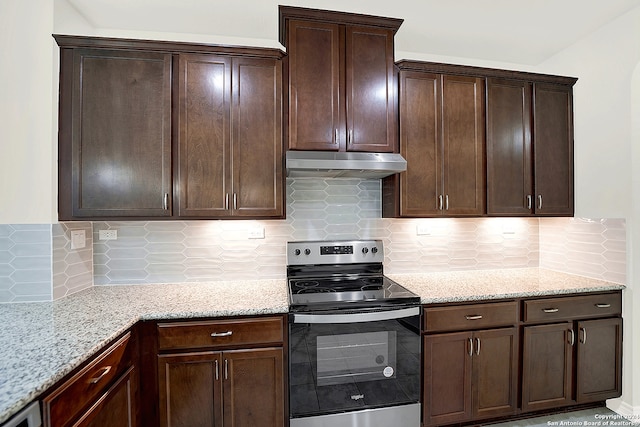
{"x":340,"y":164}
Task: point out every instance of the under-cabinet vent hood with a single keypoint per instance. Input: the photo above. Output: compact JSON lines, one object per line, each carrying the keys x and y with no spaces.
{"x":339,"y":164}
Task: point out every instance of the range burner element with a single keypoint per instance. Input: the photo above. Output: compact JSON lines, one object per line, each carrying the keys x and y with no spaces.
{"x":341,"y":274}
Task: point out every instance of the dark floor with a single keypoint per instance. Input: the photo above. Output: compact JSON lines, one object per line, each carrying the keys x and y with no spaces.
{"x":588,"y":417}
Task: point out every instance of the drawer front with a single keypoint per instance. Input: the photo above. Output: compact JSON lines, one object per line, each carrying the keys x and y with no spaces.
{"x":220,"y":333}
{"x":472,"y":316}
{"x":67,"y":401}
{"x":577,"y":307}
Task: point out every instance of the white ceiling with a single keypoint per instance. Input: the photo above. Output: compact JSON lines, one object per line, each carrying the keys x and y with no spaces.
{"x":515,"y":31}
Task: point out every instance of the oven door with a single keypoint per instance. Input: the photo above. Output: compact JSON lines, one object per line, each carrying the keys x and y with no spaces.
{"x":341,"y":362}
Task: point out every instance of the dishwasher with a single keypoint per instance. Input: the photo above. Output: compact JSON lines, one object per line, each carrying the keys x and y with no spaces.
{"x":28,"y":417}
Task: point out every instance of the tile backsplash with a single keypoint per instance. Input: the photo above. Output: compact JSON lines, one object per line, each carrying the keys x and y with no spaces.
{"x":317,"y":209}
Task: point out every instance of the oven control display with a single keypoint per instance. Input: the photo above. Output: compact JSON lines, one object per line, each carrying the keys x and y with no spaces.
{"x":336,"y":250}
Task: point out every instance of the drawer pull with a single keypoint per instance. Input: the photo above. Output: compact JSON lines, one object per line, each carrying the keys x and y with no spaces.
{"x":474,"y":317}
{"x":221,"y":334}
{"x":102,"y":373}
{"x":603,"y":305}
{"x":551,"y":310}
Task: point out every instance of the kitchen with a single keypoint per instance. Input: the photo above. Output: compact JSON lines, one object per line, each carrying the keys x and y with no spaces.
{"x":598,"y":195}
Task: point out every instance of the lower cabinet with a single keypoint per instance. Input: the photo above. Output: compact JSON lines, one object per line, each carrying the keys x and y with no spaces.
{"x":470,"y":375}
{"x":103,"y":393}
{"x":233,"y":376}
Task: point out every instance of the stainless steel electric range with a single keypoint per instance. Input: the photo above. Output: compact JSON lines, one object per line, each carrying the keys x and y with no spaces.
{"x":354,"y":338}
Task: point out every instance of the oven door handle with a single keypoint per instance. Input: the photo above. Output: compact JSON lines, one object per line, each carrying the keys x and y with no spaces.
{"x":355,"y":317}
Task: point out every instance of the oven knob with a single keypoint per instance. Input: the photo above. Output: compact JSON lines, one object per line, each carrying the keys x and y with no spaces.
{"x":297,"y":252}
{"x":307,"y":251}
{"x":365,"y":250}
{"x":374,"y":250}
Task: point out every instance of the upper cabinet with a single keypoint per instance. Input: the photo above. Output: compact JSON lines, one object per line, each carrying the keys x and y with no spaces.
{"x":530,"y":147}
{"x":169,"y":130}
{"x":341,"y":90}
{"x":443,"y":140}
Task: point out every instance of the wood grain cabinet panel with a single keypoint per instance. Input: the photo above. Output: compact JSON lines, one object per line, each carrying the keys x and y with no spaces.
{"x":341,"y":80}
{"x":529,"y":148}
{"x":442,"y":137}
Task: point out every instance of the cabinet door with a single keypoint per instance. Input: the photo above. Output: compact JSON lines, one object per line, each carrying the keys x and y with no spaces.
{"x":204,"y":123}
{"x":463,"y":145}
{"x":547,"y":366}
{"x":447,"y":378}
{"x":495,"y":372}
{"x":420,"y":143}
{"x":254,"y":388}
{"x":599,"y":360}
{"x":370,"y":89}
{"x":315,"y":102}
{"x":190,"y":390}
{"x":553,"y":149}
{"x":509,"y":163}
{"x":120,"y":138}
{"x":116,"y":408}
{"x":257,"y":137}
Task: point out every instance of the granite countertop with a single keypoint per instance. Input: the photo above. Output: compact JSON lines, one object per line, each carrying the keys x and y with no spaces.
{"x":42,"y":342}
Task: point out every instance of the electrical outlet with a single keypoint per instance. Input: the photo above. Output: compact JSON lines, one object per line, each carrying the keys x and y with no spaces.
{"x":78,"y":239}
{"x":256,"y":233}
{"x":423,"y":230}
{"x":108,"y":235}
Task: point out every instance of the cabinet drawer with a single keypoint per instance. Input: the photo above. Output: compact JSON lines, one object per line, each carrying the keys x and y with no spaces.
{"x":568,"y":308}
{"x":66,"y":402}
{"x":472,"y":316}
{"x":220,"y":333}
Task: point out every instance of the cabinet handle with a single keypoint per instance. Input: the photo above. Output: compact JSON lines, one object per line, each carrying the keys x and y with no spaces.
{"x":539,"y":201}
{"x":583,"y":340}
{"x":551,"y":310}
{"x":470,"y":346}
{"x":473,"y":317}
{"x":350,"y":137}
{"x":335,"y":136}
{"x":226,"y":202}
{"x":216,"y":366}
{"x":477,"y":346}
{"x":446,"y":202}
{"x":221,"y":334}
{"x":102,"y":372}
{"x":226,"y":369}
{"x":572,"y":337}
{"x":529,"y":201}
{"x":603,"y":305}
{"x":440,"y":202}
{"x":235,"y":201}
{"x":165,"y":201}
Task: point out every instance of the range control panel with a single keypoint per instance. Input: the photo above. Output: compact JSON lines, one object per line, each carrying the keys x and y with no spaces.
{"x":334,"y":252}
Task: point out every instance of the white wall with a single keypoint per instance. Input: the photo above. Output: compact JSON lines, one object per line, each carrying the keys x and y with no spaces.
{"x":27,"y":111}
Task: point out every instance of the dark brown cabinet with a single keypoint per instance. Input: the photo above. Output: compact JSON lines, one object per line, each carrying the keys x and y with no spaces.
{"x":102,"y":393}
{"x":225,"y":373}
{"x":472,"y":374}
{"x":115,"y":134}
{"x":230,"y":137}
{"x":341,"y":82}
{"x":578,"y":360}
{"x":529,"y":147}
{"x":169,"y":130}
{"x":442,"y":138}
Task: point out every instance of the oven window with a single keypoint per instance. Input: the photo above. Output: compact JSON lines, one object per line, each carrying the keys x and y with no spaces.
{"x":352,"y":366}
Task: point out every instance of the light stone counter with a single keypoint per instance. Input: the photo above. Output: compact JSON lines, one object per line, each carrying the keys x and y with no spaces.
{"x":461,"y":286}
{"x":42,"y":342}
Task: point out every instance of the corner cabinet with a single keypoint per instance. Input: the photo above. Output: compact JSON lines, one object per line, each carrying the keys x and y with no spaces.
{"x":341,"y":81}
{"x":167,"y":130}
{"x":442,"y":138}
{"x":530,"y":147}
{"x":222,"y":373}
